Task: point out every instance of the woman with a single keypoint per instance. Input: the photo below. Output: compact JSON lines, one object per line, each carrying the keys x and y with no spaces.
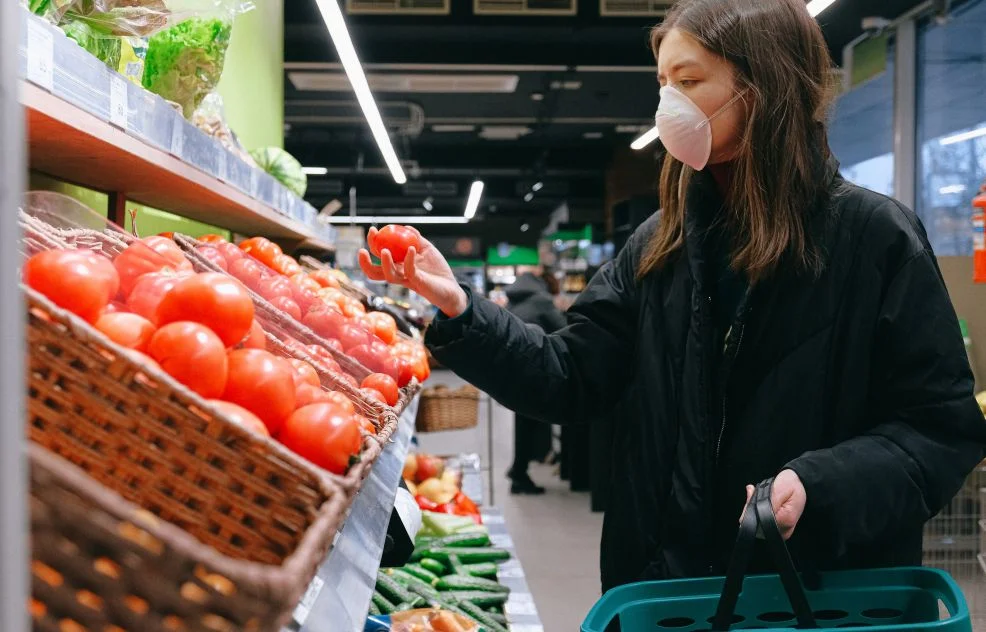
{"x":772,"y":321}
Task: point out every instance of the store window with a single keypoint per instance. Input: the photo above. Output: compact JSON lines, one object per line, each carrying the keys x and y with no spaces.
{"x":861,"y":130}
{"x":951,"y":126}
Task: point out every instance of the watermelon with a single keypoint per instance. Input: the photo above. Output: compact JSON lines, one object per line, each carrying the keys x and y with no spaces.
{"x":284,"y":167}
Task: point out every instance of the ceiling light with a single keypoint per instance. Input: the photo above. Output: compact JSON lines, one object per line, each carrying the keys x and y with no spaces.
{"x":315,"y":171}
{"x":452,"y":129}
{"x":472,"y":204}
{"x":334,"y":21}
{"x":528,"y":197}
{"x":817,"y":6}
{"x":958,"y":138}
{"x":537,"y":186}
{"x":645,"y":139}
{"x":428,"y":205}
{"x":952,"y":188}
{"x":398,"y":219}
{"x":525,"y":227}
{"x":537,"y":96}
{"x":631,"y":129}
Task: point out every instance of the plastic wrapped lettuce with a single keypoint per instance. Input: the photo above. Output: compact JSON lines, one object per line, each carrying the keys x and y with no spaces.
{"x":106,"y":48}
{"x":39,"y":7}
{"x":113,"y":17}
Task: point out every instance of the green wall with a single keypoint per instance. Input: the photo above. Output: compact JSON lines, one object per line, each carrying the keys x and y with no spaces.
{"x":252,"y":86}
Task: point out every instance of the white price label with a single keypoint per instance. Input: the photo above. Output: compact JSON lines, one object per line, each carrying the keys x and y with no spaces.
{"x":304,"y":607}
{"x":40,"y":55}
{"x":119,"y":105}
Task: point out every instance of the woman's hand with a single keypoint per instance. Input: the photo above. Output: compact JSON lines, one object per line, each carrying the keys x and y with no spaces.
{"x":425,"y":272}
{"x":788,"y":498}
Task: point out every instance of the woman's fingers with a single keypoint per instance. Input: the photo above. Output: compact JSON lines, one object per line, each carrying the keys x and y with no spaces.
{"x":371,"y":270}
{"x":390,"y":271}
{"x":410,"y":263}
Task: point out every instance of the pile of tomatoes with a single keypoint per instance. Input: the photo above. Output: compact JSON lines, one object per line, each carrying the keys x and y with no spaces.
{"x":200,"y":329}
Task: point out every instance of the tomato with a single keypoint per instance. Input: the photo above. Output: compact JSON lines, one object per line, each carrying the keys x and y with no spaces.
{"x":383,"y":384}
{"x":405,"y":370}
{"x":263,"y":384}
{"x":373,"y":395}
{"x":274,"y":286}
{"x":257,"y":338}
{"x":213,"y":239}
{"x":248,"y":271}
{"x":302,"y":280}
{"x":353,"y":308}
{"x":167,"y":235}
{"x":364,"y":356}
{"x":192,"y":354}
{"x":213,"y":256}
{"x":324,"y":278}
{"x":262,"y":249}
{"x":241,"y":416}
{"x":151,"y":254}
{"x":77,"y":280}
{"x":335,"y":345}
{"x":286,"y":265}
{"x":348,"y":379}
{"x":323,"y":356}
{"x":304,"y":297}
{"x":128,"y":330}
{"x":325,"y":322}
{"x":382,"y":325}
{"x":230,"y":252}
{"x":287,"y":305}
{"x":397,"y":239}
{"x":366,"y":425}
{"x":390,"y":365}
{"x":352,"y":335}
{"x":304,"y":372}
{"x":333,"y":295}
{"x":319,"y":433}
{"x":213,"y":299}
{"x":342,"y":401}
{"x":305,"y":394}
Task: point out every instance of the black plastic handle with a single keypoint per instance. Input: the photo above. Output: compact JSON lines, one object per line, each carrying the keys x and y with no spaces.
{"x":758,"y":519}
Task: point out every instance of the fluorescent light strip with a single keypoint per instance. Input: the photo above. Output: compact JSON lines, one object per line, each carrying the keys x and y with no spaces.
{"x":315,"y":171}
{"x":334,"y":21}
{"x":472,"y":204}
{"x":398,"y":219}
{"x":817,"y":6}
{"x":645,"y":139}
{"x":958,"y":138}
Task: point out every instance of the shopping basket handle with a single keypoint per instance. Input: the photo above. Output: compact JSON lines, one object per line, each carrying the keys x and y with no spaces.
{"x":758,"y":519}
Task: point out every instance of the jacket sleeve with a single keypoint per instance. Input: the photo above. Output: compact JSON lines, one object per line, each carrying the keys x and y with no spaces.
{"x":551,"y":318}
{"x":927,"y":433}
{"x":564,"y":377}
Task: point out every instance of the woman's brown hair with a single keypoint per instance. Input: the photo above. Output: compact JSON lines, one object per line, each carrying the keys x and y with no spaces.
{"x":782,"y":63}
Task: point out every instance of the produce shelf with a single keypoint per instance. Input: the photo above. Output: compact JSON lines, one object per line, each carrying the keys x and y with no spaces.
{"x":338,"y":598}
{"x":90,"y":126}
{"x":522,"y":614}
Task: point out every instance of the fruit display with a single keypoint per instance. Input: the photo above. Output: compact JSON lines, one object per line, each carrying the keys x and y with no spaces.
{"x":200,"y":329}
{"x":453,"y":568}
{"x":437,"y":488}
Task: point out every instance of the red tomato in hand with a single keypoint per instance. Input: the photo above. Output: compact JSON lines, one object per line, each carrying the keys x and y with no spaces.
{"x":383,"y":384}
{"x":128,"y":330}
{"x":287,"y":305}
{"x":257,"y":338}
{"x":192,"y":354}
{"x":263,"y":384}
{"x":305,"y":394}
{"x":397,"y":239}
{"x":213,"y":256}
{"x":274,"y":286}
{"x":373,"y":395}
{"x":77,"y":280}
{"x":322,"y":435}
{"x":304,"y":372}
{"x":215,"y":300}
{"x":146,"y":297}
{"x":249,"y":272}
{"x":241,"y":416}
{"x":382,"y":325}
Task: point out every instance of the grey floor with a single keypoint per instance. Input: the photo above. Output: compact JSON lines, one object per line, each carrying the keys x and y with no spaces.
{"x":556,"y":536}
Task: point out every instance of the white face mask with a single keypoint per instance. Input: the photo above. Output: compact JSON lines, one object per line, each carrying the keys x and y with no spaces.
{"x":684,"y":129}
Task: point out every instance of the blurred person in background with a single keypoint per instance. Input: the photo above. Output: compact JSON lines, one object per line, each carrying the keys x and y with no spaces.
{"x":530,"y":299}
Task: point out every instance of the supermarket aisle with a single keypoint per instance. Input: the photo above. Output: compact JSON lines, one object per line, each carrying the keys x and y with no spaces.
{"x":556,"y":536}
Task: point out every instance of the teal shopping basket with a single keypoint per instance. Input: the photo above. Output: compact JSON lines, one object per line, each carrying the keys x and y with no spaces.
{"x":891,"y":600}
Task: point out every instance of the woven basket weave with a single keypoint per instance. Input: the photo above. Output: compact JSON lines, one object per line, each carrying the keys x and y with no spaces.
{"x":441,"y":409}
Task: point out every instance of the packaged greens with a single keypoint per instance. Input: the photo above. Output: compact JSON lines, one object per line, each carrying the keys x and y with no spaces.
{"x":106,"y":48}
{"x":114,"y":17}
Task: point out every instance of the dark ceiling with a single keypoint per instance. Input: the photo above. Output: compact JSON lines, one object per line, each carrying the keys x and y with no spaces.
{"x":511,"y":100}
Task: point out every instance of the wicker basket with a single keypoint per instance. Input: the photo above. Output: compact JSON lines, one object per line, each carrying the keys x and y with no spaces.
{"x":441,"y":408}
{"x":100,"y":562}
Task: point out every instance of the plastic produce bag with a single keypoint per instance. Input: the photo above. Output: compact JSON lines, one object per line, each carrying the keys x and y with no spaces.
{"x":210,"y":117}
{"x":433,"y":620}
{"x":114,"y":17}
{"x":184,"y":62}
{"x":103,"y":47}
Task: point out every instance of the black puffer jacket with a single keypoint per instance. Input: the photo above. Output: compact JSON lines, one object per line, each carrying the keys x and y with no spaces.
{"x":856,"y":380}
{"x":530,"y":302}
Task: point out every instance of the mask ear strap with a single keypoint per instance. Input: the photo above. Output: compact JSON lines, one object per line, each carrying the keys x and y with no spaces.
{"x":739,"y":95}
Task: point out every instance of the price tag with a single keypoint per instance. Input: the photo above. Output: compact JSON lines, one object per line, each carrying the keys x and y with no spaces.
{"x":304,"y":607}
{"x":40,"y":55}
{"x":119,"y":106}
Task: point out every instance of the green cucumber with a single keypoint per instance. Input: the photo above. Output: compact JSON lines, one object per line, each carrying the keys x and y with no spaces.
{"x":468,"y":582}
{"x":457,"y":567}
{"x":415,"y":585}
{"x":392,"y":590}
{"x":437,"y":567}
{"x":484,"y":569}
{"x":478,"y":614}
{"x":405,"y":606}
{"x":421,"y":573}
{"x":470,"y":555}
{"x":373,"y":610}
{"x":461,"y":540}
{"x":496,"y":616}
{"x":380,"y":602}
{"x":483,"y":599}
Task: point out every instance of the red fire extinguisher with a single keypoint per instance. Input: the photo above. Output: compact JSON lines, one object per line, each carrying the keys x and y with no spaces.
{"x":979,"y":238}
